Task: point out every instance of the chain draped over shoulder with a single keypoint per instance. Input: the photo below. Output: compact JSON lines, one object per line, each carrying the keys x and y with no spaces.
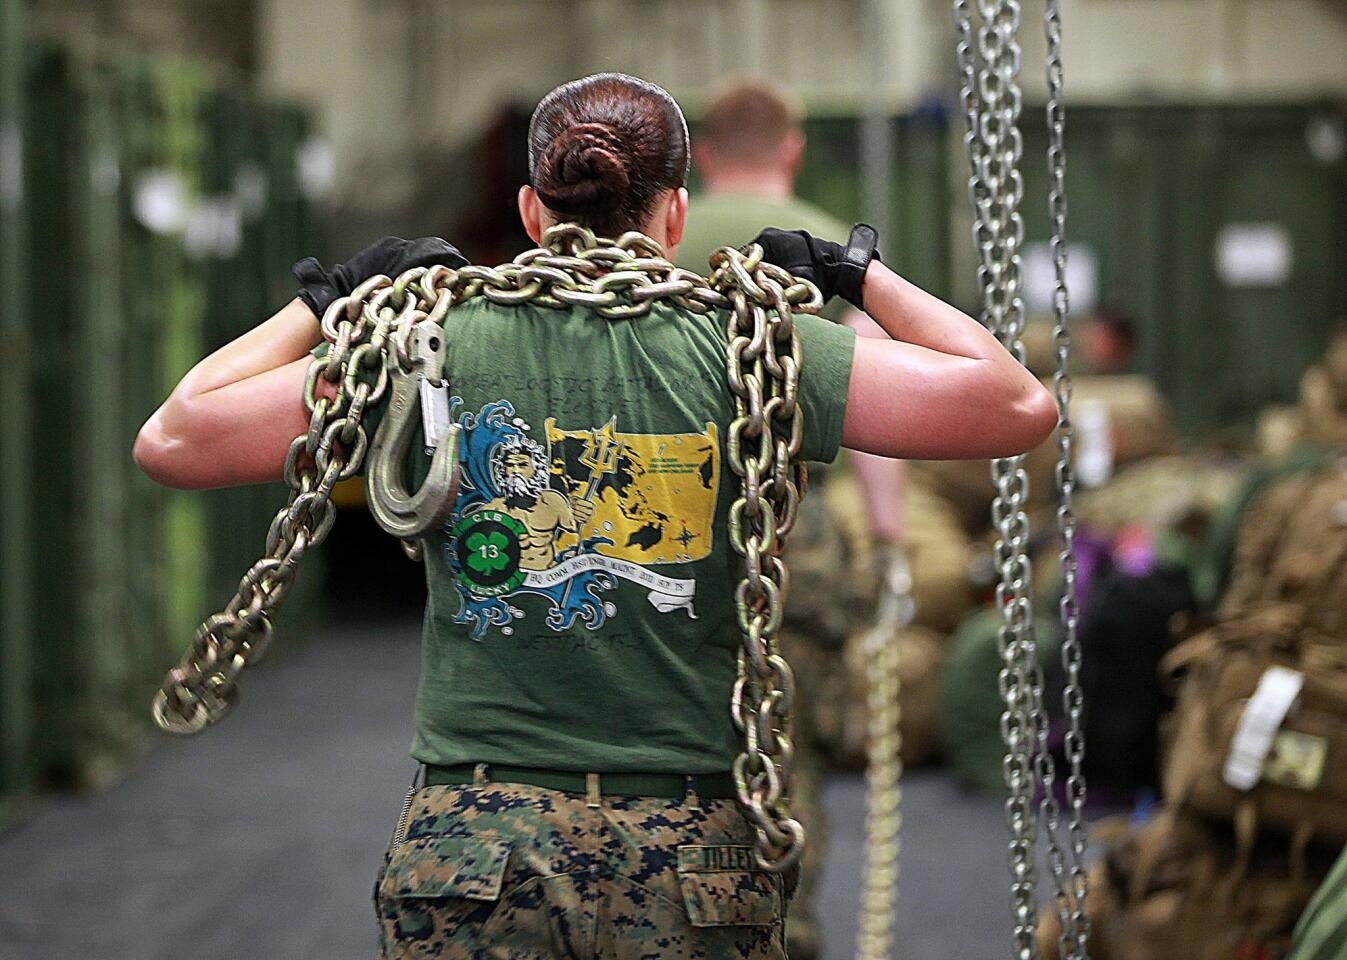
{"x":371,"y":336}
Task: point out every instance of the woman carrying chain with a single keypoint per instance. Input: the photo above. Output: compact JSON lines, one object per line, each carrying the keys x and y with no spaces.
{"x":580,"y":637}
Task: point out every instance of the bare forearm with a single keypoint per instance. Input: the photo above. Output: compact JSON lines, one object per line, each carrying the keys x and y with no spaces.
{"x":938,"y":386}
{"x":231,"y":418}
{"x":907,"y":313}
{"x":286,"y":336}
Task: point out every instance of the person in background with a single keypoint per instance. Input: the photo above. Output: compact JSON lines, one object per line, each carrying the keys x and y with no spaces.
{"x":748,"y":154}
{"x":1108,"y":341}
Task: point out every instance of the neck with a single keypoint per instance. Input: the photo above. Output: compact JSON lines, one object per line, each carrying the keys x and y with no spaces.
{"x":756,"y":182}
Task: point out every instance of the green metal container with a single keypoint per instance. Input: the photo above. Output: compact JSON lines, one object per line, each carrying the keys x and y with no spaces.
{"x":1222,"y":228}
{"x":133,"y":185}
{"x":16,"y":528}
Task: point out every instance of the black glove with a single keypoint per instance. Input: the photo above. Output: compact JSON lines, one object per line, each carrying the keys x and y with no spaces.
{"x":836,"y":270}
{"x":389,"y":256}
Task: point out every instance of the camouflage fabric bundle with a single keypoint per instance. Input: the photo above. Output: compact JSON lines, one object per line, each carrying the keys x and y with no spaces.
{"x":1179,"y":887}
{"x":1302,"y":788}
{"x":1293,"y":550}
{"x":1175,"y":492}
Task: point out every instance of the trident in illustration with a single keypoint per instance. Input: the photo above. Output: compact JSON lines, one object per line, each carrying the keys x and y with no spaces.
{"x":600,"y":454}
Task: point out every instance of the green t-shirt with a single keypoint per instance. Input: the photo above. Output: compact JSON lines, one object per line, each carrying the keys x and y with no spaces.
{"x":580,"y":613}
{"x":1321,"y":933}
{"x":718,"y":220}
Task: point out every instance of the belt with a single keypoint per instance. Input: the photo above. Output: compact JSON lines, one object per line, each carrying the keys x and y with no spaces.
{"x":665,"y":786}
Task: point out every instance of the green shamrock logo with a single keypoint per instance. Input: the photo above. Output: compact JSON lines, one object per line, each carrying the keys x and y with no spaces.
{"x":486,"y":552}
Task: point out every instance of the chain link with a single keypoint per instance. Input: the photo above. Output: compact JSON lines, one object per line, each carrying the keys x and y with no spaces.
{"x":1074,"y":941}
{"x":988,"y":68}
{"x":762,"y":445}
{"x":616,"y":279}
{"x":205,"y":684}
{"x":884,"y":763}
{"x":992,"y":104}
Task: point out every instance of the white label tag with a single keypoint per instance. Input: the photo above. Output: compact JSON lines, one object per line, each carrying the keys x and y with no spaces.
{"x":1263,"y":715}
{"x":434,"y":411}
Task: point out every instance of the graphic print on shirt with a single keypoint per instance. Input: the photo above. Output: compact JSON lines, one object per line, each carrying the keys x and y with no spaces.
{"x":565,"y":514}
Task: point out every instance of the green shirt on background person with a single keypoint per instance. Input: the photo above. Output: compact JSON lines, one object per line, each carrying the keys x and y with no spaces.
{"x":580,"y":612}
{"x":718,"y":220}
{"x":1321,"y":933}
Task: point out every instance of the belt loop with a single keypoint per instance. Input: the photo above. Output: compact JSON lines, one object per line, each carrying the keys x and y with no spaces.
{"x":479,"y":775}
{"x":592,"y":793}
{"x":690,"y":795}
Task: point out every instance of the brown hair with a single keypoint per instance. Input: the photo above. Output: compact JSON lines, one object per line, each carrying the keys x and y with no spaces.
{"x":749,"y":122}
{"x":602,"y":148}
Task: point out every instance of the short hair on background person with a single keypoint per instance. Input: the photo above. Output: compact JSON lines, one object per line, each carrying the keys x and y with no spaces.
{"x":750,"y":121}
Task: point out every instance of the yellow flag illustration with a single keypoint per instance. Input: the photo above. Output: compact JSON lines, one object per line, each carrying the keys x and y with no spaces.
{"x":654,"y":495}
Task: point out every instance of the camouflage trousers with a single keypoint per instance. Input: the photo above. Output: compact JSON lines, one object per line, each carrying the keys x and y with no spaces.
{"x":513,"y":871}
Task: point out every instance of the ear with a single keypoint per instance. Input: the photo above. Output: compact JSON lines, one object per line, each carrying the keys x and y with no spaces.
{"x":792,"y":151}
{"x":676,"y":219}
{"x":531,"y":213}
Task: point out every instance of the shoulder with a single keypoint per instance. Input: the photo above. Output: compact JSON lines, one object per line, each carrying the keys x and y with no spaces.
{"x":816,"y":220}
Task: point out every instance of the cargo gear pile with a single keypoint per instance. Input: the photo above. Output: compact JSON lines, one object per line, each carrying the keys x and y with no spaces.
{"x":1253,"y":776}
{"x":1259,"y":732}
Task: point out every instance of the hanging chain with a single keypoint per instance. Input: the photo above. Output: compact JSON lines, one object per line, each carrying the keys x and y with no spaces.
{"x":991,"y":101}
{"x":990,"y":104}
{"x":883,"y":761}
{"x":762,"y":445}
{"x":616,"y":279}
{"x":1072,"y":699}
{"x":205,"y":685}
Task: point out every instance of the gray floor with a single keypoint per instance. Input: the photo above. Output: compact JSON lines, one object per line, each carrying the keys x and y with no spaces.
{"x":260,"y":838}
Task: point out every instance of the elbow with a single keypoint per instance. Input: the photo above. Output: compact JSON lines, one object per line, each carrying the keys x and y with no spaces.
{"x":151,"y":455}
{"x":1034,"y":417}
{"x":159,"y":456}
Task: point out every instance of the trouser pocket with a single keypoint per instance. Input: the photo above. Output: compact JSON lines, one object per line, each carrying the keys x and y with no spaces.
{"x":436,"y":893}
{"x":722,"y":886}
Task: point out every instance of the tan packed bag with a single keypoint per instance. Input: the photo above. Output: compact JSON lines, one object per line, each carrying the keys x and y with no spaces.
{"x":1260,"y":727}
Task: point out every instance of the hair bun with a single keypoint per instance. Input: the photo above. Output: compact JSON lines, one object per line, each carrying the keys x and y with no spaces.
{"x":582,"y":171}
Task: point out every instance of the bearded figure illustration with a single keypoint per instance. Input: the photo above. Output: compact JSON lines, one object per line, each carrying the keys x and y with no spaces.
{"x":520,"y":468}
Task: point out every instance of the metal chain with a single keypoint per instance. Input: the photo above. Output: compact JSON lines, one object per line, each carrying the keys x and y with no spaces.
{"x":616,"y":279}
{"x":1072,"y":699}
{"x":884,"y":762}
{"x":205,"y":684}
{"x":988,"y":105}
{"x":992,"y":108}
{"x":762,"y":445}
